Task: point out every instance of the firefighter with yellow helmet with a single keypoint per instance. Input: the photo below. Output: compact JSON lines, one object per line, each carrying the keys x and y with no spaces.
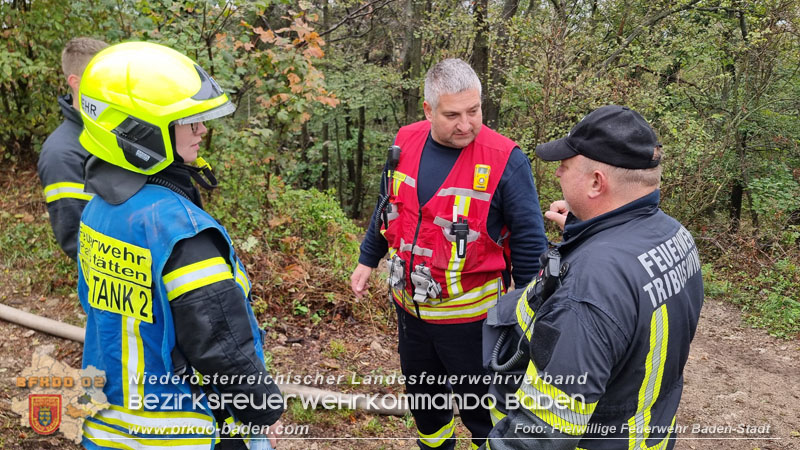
{"x":167,"y":300}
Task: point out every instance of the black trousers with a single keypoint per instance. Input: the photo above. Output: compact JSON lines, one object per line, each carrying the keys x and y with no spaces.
{"x":433,"y":358}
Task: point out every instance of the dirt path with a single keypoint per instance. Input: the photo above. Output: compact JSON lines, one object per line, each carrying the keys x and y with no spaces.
{"x":736,"y":377}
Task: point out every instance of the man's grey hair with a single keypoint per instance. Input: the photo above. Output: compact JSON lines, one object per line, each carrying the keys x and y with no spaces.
{"x":630,"y":177}
{"x":449,"y":76}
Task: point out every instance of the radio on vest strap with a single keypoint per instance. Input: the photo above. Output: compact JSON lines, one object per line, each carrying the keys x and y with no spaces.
{"x":381,"y":215}
{"x":425,"y":287}
{"x":460,"y":230}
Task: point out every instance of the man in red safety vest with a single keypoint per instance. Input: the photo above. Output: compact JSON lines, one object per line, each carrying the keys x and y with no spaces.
{"x":459,"y":218}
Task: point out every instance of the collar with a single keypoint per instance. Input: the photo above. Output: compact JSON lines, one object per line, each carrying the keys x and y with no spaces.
{"x":113,"y":184}
{"x":439,"y":146}
{"x":70,"y":113}
{"x":116,"y":185}
{"x":576,"y":230}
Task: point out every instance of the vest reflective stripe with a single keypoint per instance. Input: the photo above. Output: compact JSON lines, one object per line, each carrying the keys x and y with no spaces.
{"x":456,"y":264}
{"x":132,"y":359}
{"x":556,"y":408}
{"x":106,"y":436}
{"x":415,"y":249}
{"x":496,"y":415}
{"x":57,"y":191}
{"x":125,"y":418}
{"x":473,"y":446}
{"x":651,"y":385}
{"x":398,"y":178}
{"x":439,"y":437}
{"x":471,"y":304}
{"x":466,"y":193}
{"x":197,"y":275}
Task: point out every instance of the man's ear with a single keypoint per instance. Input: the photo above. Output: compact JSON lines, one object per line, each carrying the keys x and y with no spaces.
{"x":74,"y":82}
{"x":428,"y":110}
{"x":599,"y":184}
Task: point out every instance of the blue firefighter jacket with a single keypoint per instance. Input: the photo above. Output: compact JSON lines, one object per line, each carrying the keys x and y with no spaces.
{"x":608,"y":347}
{"x":129,"y":331}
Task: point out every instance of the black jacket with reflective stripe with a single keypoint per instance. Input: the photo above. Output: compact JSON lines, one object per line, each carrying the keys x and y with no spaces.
{"x":61,"y":161}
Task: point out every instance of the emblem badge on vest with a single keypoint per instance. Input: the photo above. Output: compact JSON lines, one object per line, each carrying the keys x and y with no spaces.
{"x":44,"y":412}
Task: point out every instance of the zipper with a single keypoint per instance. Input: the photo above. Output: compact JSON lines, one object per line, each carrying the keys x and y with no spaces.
{"x":411,"y":260}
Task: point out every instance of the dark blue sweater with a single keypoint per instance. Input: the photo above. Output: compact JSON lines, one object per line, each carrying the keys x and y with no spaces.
{"x":515,"y":204}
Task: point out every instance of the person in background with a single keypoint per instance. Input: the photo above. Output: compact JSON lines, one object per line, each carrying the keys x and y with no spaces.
{"x":611,"y":317}
{"x":457,"y":202}
{"x":165,"y":295}
{"x":61,"y":161}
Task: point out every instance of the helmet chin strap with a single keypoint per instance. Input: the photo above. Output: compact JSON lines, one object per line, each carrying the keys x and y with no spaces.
{"x":202,"y":174}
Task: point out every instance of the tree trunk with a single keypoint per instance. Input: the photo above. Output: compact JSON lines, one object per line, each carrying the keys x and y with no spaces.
{"x":493,"y":87}
{"x":340,"y":169}
{"x":412,"y":60}
{"x":480,"y":50}
{"x":326,"y":158}
{"x":358,"y":189}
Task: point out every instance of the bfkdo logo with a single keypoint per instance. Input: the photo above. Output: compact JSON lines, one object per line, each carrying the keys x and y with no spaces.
{"x":44,"y":411}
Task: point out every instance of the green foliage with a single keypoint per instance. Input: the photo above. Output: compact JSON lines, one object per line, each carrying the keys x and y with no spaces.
{"x":314,"y":221}
{"x":336,"y":349}
{"x":29,"y":248}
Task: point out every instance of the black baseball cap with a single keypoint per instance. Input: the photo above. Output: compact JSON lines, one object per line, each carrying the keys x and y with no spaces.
{"x":615,"y":135}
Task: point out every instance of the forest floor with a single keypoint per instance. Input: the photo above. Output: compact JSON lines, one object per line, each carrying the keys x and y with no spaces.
{"x":741,"y":388}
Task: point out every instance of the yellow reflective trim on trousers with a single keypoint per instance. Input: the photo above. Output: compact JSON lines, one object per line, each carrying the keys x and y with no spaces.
{"x":555,"y":407}
{"x":456,"y":265}
{"x":132,"y":359}
{"x":106,"y":436}
{"x":197,"y":275}
{"x":437,"y":438}
{"x":639,"y":424}
{"x":496,"y":415}
{"x":57,"y":191}
{"x":473,"y":446}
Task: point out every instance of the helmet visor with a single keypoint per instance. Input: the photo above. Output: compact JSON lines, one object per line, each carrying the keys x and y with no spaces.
{"x":220,"y":111}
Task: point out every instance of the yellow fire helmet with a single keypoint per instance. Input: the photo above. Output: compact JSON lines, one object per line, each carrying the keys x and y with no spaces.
{"x":130,"y":95}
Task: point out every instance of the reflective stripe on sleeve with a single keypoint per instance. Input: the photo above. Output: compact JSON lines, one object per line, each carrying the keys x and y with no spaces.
{"x":195,"y":276}
{"x":496,"y":415}
{"x":57,"y":191}
{"x":565,"y":413}
{"x":639,"y":424}
{"x":525,"y":313}
{"x":439,"y":437}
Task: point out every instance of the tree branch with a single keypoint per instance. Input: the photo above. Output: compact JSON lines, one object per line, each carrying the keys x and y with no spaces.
{"x":635,"y":33}
{"x":357,"y":13}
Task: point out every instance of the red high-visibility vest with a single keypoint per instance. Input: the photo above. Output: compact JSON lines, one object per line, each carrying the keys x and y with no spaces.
{"x":417,"y":235}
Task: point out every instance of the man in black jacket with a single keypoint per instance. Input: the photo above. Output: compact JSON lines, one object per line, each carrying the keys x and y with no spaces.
{"x":611,"y":318}
{"x":61,"y":161}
